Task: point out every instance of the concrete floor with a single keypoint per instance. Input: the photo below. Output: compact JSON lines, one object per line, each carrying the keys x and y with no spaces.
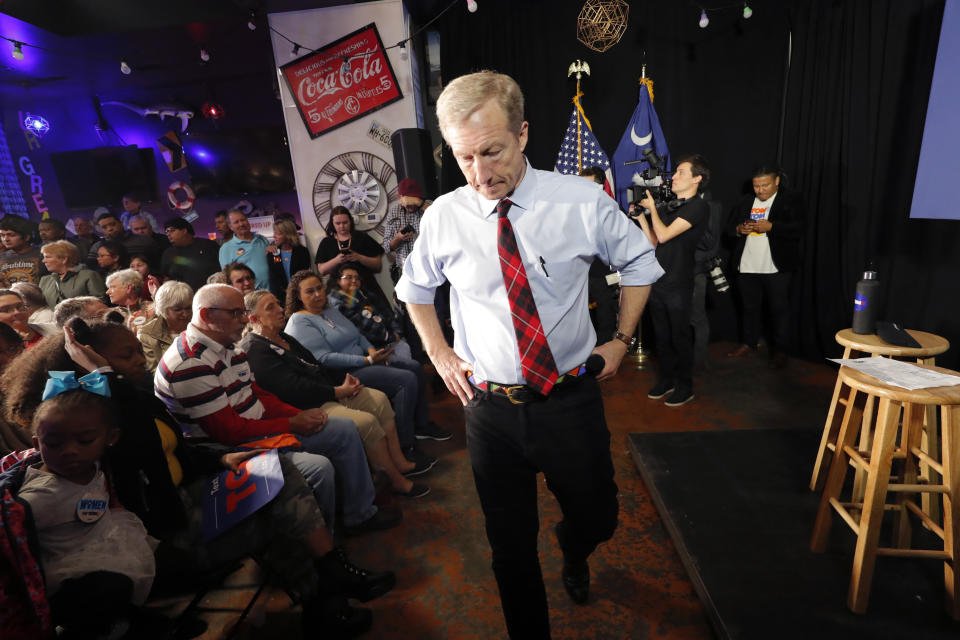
{"x":640,"y":590}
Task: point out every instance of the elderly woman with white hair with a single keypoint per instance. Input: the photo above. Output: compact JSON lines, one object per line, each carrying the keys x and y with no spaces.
{"x":171,"y":304}
{"x":66,"y":279}
{"x":124,"y":288}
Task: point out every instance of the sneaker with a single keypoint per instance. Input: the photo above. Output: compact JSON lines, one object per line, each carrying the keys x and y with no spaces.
{"x":349,"y":580}
{"x":416,"y":491}
{"x":432,"y":431}
{"x":679,"y":397}
{"x":423,"y":465}
{"x":418,"y":457}
{"x":660,"y":389}
{"x":382,"y":519}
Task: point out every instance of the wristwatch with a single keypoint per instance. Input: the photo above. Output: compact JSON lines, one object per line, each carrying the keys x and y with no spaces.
{"x":630,"y":341}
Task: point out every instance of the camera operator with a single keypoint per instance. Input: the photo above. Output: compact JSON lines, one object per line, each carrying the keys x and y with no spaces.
{"x":675,"y":232}
{"x":768,"y":227}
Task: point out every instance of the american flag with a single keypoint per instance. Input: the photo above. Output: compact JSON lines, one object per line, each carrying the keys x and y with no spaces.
{"x":591,"y":154}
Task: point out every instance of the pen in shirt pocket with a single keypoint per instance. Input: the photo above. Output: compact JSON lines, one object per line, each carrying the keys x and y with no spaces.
{"x":543,"y":265}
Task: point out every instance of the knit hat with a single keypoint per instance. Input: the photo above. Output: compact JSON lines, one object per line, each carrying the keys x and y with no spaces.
{"x":408,"y":187}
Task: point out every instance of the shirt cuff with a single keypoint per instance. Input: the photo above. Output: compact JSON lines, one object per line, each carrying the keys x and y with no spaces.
{"x":413,"y":293}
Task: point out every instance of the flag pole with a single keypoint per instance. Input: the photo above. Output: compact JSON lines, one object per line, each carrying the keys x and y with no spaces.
{"x":578,"y":67}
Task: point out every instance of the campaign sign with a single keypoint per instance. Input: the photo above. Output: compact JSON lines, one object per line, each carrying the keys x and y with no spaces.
{"x":232,"y":496}
{"x":342,"y":81}
{"x":262,"y":225}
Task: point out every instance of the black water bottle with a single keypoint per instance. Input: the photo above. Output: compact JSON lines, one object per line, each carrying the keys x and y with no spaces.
{"x":866,"y":304}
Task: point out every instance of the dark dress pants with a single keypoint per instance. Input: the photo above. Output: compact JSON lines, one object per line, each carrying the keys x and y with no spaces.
{"x":670,"y":310}
{"x":564,"y":437}
{"x":775,"y":288}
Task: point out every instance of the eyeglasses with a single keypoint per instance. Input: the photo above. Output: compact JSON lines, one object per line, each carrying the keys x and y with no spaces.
{"x":179,"y":309}
{"x":238,"y":314}
{"x":346,"y":277}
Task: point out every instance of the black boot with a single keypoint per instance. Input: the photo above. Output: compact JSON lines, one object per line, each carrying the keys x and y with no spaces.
{"x":339,"y":575}
{"x":333,"y":617}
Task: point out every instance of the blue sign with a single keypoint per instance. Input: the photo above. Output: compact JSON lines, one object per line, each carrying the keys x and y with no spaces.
{"x":859,"y":302}
{"x":231,"y":496}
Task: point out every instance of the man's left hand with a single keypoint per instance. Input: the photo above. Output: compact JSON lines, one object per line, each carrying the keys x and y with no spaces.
{"x":762,"y":226}
{"x":612,"y":353}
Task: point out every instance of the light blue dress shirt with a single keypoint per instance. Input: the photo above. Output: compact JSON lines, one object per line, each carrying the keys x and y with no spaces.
{"x":561,"y":223}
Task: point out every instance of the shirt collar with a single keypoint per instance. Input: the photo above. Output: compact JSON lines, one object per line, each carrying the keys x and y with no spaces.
{"x":522,"y":196}
{"x":195,"y":336}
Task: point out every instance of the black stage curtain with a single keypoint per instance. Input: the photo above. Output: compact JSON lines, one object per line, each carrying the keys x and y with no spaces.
{"x":856,"y":97}
{"x":856,"y":100}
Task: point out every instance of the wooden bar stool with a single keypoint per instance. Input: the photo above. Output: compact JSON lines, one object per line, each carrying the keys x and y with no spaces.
{"x":855,"y":344}
{"x":865,"y":516}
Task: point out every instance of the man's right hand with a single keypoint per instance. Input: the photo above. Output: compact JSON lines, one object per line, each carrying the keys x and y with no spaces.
{"x":308,"y":422}
{"x":454,"y":372}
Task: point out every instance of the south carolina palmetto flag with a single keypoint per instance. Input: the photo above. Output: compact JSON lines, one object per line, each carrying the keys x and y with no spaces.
{"x":642,"y":132}
{"x":580,"y":148}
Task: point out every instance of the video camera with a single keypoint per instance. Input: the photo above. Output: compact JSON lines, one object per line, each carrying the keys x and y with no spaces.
{"x":653,"y":179}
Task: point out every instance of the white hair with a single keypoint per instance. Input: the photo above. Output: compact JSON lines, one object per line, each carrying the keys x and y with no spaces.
{"x":172,"y":293}
{"x":126,"y":278}
{"x":212,"y":295}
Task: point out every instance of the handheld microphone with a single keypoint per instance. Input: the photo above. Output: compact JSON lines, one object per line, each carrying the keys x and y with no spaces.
{"x":594,"y":364}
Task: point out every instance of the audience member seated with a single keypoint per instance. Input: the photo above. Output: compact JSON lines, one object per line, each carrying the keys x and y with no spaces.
{"x":287,"y":256}
{"x":172,"y":306}
{"x":345,"y":245}
{"x":14,"y":313}
{"x":240,"y":277}
{"x":368,"y":312}
{"x":86,"y":307}
{"x":67,"y":279}
{"x":96,"y":557}
{"x":210,"y":386}
{"x":111,"y":257}
{"x":217,"y":277}
{"x":123,"y":289}
{"x":141,"y":227}
{"x":142,"y":265}
{"x":51,"y":230}
{"x":85,"y":237}
{"x":12,"y":437}
{"x":113,"y":231}
{"x":35,"y":303}
{"x":339,"y":346}
{"x":288,"y":369}
{"x":189,"y":259}
{"x":161,"y":478}
{"x":246,"y":247}
{"x":20,"y":260}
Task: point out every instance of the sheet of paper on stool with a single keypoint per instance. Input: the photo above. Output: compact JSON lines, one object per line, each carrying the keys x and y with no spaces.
{"x":906,"y":375}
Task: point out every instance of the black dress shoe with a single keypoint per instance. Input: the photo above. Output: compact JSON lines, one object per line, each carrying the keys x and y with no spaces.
{"x":384,"y":518}
{"x":576,"y":575}
{"x":341,"y":576}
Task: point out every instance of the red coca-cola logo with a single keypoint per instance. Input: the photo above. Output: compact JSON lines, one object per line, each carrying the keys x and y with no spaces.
{"x":342,"y":81}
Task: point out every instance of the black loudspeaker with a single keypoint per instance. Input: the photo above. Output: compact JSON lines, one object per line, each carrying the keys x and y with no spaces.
{"x":413,"y":158}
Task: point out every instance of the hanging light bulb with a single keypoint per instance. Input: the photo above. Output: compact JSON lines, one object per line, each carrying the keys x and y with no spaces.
{"x":704,"y":20}
{"x":251,"y":23}
{"x":204,"y":56}
{"x":296,"y":49}
{"x":403,"y":50}
{"x":472,"y":6}
{"x":17,"y":51}
{"x":125,"y":68}
{"x":747,"y":11}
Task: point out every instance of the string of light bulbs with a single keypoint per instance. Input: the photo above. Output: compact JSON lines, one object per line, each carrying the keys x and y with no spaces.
{"x":704,"y":22}
{"x":204,"y":54}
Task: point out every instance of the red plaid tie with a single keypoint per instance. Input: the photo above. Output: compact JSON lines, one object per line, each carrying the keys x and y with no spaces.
{"x":536,"y":361}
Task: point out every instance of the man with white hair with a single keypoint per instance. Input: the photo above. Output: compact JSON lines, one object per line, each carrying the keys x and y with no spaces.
{"x":516,"y":244}
{"x":209,"y":386}
{"x":124,"y":289}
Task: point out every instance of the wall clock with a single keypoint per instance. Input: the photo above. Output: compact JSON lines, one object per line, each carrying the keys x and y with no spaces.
{"x":360,"y":181}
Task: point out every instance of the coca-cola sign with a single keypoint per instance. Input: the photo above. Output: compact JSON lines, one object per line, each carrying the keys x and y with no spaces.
{"x":342,"y":81}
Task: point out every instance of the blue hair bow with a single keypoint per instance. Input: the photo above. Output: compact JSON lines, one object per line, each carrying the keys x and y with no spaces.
{"x":61,"y":381}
